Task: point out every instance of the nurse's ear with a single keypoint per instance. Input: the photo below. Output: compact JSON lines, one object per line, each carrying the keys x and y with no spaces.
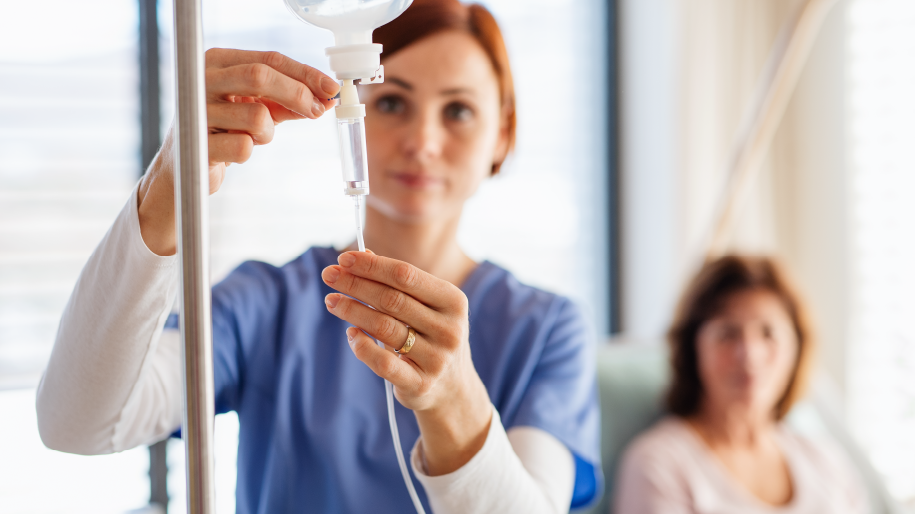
{"x":506,"y":142}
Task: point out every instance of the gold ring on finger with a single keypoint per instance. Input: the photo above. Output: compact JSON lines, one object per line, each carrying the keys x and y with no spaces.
{"x":407,"y":346}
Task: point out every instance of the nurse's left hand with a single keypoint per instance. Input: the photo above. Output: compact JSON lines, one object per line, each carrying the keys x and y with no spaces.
{"x":436,"y":379}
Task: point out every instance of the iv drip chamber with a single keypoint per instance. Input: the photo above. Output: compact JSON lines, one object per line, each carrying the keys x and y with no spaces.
{"x":352,"y":154}
{"x":351,"y":131}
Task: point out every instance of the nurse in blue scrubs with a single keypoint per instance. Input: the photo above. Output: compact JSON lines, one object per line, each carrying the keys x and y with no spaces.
{"x":294,"y":349}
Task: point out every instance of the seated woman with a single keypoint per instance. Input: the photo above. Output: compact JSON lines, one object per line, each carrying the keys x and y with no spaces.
{"x":741,"y":351}
{"x":502,"y":404}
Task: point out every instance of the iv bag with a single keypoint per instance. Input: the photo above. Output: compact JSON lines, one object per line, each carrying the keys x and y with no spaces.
{"x":351,"y":21}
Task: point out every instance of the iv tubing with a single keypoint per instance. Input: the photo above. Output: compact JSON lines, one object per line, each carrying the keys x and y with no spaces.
{"x":388,"y":387}
{"x":350,"y":108}
{"x":358,"y":200}
{"x":395,"y":434}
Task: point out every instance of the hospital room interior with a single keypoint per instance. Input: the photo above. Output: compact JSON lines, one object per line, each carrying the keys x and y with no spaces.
{"x":628,"y":256}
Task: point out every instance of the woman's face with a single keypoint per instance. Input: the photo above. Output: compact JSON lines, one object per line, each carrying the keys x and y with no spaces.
{"x":433,"y":128}
{"x":747,"y":353}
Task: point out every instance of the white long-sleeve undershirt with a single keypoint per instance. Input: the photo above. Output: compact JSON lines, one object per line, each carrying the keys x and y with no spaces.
{"x":113,"y":382}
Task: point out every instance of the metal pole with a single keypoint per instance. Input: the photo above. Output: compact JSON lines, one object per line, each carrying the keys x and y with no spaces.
{"x":191,"y":202}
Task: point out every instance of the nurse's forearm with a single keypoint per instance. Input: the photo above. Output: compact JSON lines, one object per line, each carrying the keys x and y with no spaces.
{"x":109,"y":385}
{"x":454,"y":432}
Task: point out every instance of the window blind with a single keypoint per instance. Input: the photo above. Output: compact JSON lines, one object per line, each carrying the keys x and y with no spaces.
{"x":68,"y":157}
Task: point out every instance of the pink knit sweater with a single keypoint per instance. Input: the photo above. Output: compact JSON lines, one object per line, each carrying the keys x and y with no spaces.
{"x":670,"y":470}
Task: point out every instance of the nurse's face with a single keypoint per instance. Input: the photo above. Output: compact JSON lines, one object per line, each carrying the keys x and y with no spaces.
{"x":433,"y":128}
{"x":747,"y":353}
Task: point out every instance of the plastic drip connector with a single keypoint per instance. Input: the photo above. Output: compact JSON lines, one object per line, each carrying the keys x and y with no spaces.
{"x":349,"y":106}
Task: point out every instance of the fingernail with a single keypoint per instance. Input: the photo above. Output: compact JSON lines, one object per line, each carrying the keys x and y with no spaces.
{"x":346,"y":260}
{"x":351,"y":335}
{"x":331,"y":300}
{"x":330,"y":275}
{"x":329,"y":86}
{"x":317,"y":108}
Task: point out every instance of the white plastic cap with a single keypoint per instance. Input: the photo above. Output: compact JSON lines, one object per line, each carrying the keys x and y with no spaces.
{"x":349,"y":106}
{"x":354,"y":62}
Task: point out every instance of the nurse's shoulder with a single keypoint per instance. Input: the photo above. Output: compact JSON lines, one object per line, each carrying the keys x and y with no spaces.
{"x":504,"y":306}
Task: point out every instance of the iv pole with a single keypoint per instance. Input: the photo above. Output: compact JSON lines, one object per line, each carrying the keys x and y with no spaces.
{"x":191,"y":203}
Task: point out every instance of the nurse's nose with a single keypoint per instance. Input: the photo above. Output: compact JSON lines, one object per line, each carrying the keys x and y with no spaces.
{"x":425,"y":137}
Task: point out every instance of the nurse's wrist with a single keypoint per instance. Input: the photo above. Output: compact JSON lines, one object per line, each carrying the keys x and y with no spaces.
{"x":156,"y":204}
{"x":454,"y":431}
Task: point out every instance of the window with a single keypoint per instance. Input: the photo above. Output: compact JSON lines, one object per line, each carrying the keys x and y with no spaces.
{"x":882,"y":135}
{"x":69,"y":140}
{"x":36,"y":480}
{"x":68,"y":157}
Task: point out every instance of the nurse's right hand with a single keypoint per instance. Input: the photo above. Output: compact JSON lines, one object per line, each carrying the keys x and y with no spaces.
{"x":247,"y":94}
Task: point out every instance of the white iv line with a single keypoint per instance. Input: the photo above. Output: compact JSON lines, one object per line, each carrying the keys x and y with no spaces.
{"x":388,"y":387}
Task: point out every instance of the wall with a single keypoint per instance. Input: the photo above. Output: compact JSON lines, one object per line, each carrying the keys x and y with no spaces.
{"x":648,"y":163}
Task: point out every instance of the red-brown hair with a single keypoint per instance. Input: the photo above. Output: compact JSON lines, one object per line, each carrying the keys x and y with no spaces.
{"x":704,"y":298}
{"x":425,"y":18}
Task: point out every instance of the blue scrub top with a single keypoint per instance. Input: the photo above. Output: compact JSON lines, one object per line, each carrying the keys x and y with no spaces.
{"x":314,"y":435}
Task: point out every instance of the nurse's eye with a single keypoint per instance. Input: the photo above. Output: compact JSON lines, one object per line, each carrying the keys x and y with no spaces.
{"x":391,"y":104}
{"x":458,"y":111}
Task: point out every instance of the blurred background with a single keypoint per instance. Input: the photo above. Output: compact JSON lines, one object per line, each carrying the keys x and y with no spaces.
{"x":628,"y":115}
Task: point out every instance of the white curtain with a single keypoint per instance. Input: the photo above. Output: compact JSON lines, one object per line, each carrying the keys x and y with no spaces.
{"x":797,"y":206}
{"x":725,"y":46}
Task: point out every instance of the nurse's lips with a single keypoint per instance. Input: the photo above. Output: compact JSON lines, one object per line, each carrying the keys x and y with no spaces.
{"x":417,"y":180}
